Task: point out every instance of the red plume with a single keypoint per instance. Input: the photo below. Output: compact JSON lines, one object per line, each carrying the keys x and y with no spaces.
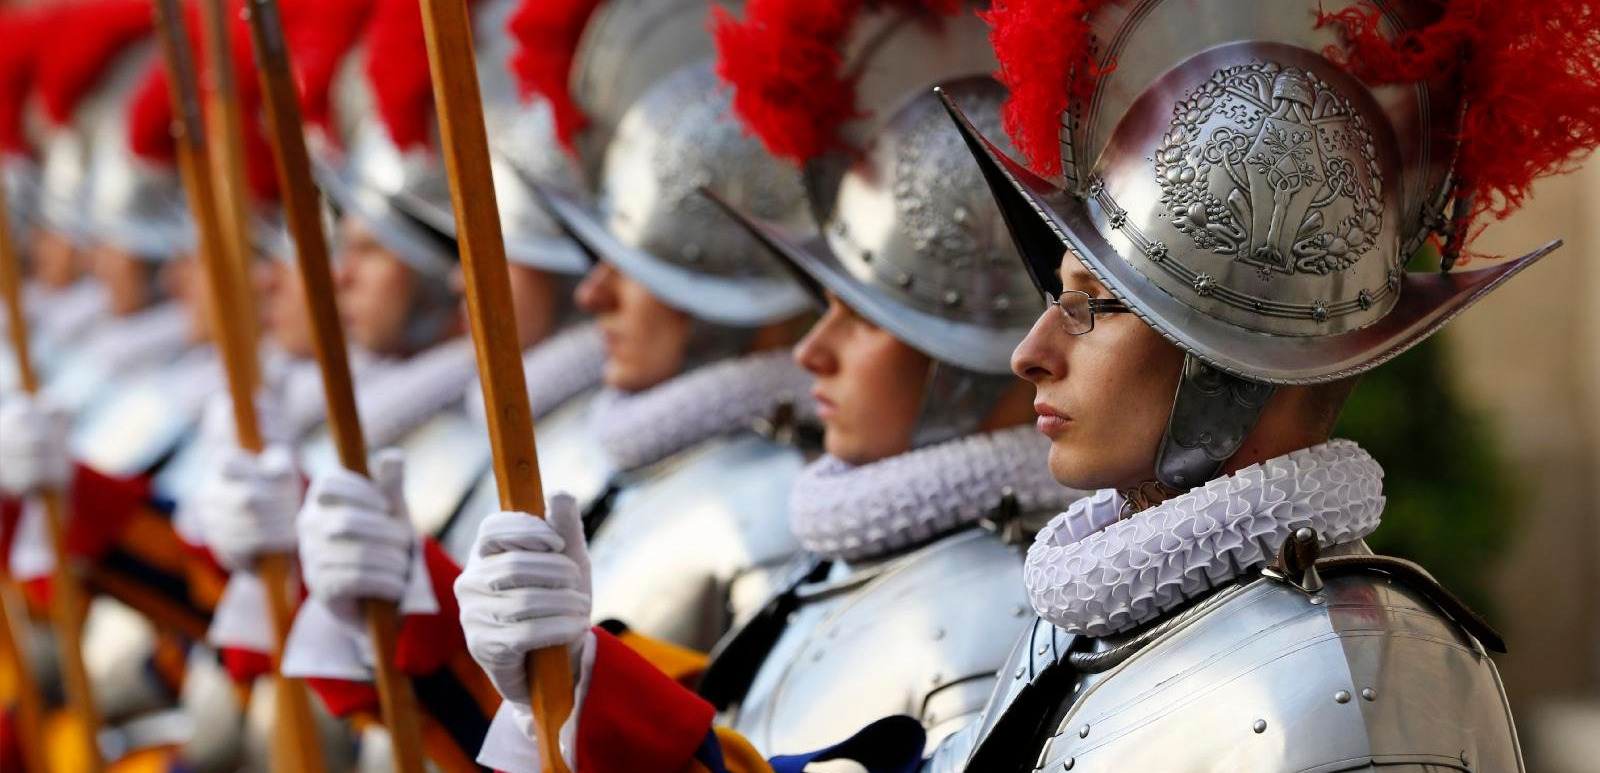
{"x":547,"y":34}
{"x":1530,"y":75}
{"x":85,"y":37}
{"x":320,"y":33}
{"x":22,"y":30}
{"x":397,"y":68}
{"x":1045,"y":62}
{"x":784,"y":63}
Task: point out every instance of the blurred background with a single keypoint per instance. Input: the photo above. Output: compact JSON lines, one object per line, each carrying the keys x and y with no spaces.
{"x":1490,"y":437}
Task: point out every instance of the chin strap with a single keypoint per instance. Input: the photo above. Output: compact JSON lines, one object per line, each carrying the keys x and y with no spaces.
{"x":955,"y":402}
{"x":1212,"y":413}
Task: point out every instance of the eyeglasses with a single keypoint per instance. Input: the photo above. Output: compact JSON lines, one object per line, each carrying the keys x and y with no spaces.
{"x":1078,"y":310}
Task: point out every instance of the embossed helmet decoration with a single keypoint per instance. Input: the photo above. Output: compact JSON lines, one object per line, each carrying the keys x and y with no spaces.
{"x":1253,"y":183}
{"x":633,"y":94}
{"x":903,"y":230}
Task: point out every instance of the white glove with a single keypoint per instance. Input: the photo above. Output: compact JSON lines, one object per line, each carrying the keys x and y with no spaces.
{"x":34,"y":454}
{"x":246,"y":504}
{"x":525,"y":587}
{"x":356,"y":538}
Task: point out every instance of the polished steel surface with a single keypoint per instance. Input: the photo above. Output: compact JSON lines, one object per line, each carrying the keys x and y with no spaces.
{"x":923,"y":636}
{"x":1254,"y":685}
{"x":694,"y":543}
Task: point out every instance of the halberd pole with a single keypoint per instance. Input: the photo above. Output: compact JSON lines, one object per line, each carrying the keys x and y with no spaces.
{"x":302,"y":206}
{"x":464,"y":143}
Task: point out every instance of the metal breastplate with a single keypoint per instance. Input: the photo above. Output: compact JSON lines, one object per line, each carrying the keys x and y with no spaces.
{"x":694,"y":543}
{"x":132,"y":429}
{"x":569,"y":461}
{"x":1366,"y":672}
{"x":445,"y":457}
{"x":922,"y":634}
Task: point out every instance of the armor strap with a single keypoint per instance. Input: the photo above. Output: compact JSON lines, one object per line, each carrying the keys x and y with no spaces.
{"x":739,"y":656}
{"x":1418,"y":579}
{"x":1212,"y":413}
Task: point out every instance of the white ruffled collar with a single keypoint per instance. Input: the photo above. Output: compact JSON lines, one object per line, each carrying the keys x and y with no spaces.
{"x":642,"y":428}
{"x":1090,"y":574}
{"x":845,"y":512}
{"x":557,"y":370}
{"x":397,"y":396}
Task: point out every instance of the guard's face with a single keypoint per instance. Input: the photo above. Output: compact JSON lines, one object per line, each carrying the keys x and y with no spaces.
{"x":646,"y":340}
{"x":869,"y":385}
{"x":184,"y":280}
{"x":1104,"y":397}
{"x":288,"y":322}
{"x":54,"y":258}
{"x":126,"y":277}
{"x":376,"y":290}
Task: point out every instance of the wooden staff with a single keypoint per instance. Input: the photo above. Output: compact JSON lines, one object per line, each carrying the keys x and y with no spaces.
{"x":465,"y":146}
{"x":13,"y":614}
{"x":67,"y":598}
{"x":303,"y":214}
{"x":298,"y":744}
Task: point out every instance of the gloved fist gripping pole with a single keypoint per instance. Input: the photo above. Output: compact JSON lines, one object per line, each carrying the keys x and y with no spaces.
{"x":302,"y":213}
{"x":465,"y":145}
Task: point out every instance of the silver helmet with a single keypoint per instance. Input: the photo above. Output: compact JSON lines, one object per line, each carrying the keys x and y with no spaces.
{"x":904,"y":231}
{"x":1251,"y":200}
{"x":135,"y":203}
{"x":676,"y":136}
{"x":524,"y":152}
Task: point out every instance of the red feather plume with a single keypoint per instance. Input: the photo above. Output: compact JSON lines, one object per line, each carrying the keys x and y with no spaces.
{"x":1530,"y":75}
{"x":22,"y":30}
{"x":1045,"y":62}
{"x":785,"y":65}
{"x":547,"y":34}
{"x":84,"y":38}
{"x":320,"y":33}
{"x":397,"y":69}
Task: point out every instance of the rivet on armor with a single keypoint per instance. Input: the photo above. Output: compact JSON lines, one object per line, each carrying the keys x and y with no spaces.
{"x":952,"y":298}
{"x":1083,"y":732}
{"x":866,"y":256}
{"x":1369,"y":694}
{"x":1342,"y":696}
{"x":937,"y":678}
{"x":1020,"y":671}
{"x":1096,"y":185}
{"x":1260,"y":726}
{"x":1002,"y":303}
{"x":960,"y":215}
{"x":903,"y":279}
{"x":1018,"y":611}
{"x":1119,"y":219}
{"x":1042,"y":649}
{"x":1319,"y":311}
{"x":1364,"y":299}
{"x":1318,"y":600}
{"x":1067,"y":763}
{"x":1157,"y":251}
{"x":938,"y":633}
{"x":1204,"y":284}
{"x":816,"y":655}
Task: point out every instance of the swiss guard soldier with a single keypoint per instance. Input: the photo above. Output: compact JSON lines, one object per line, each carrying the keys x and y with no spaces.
{"x":912,"y":595}
{"x":1250,"y":182}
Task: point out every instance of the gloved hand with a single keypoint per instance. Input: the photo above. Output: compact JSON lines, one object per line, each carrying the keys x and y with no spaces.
{"x":246,"y":504}
{"x":356,"y":537}
{"x":34,"y":453}
{"x":526,"y":586}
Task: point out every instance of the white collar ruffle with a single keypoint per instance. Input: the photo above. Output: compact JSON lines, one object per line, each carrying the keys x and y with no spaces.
{"x":1091,"y":574}
{"x":638,"y":429}
{"x":845,"y":512}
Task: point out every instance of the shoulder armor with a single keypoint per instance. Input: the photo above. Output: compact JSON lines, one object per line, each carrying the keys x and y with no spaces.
{"x":1365,"y":671}
{"x":132,"y":429}
{"x":923,"y":635}
{"x":694,"y":543}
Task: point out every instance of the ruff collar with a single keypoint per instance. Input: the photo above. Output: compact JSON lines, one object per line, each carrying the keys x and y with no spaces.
{"x":845,"y":512}
{"x":557,"y":370}
{"x":1089,"y":573}
{"x":642,"y":428}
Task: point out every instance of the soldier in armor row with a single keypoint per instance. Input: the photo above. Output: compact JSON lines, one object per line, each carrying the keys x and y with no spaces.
{"x":1227,"y":257}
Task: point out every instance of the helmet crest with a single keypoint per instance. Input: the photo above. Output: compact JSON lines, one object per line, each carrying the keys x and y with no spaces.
{"x":547,"y":34}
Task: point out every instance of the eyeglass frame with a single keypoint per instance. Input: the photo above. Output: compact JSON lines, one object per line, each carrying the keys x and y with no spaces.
{"x":1096,"y":307}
